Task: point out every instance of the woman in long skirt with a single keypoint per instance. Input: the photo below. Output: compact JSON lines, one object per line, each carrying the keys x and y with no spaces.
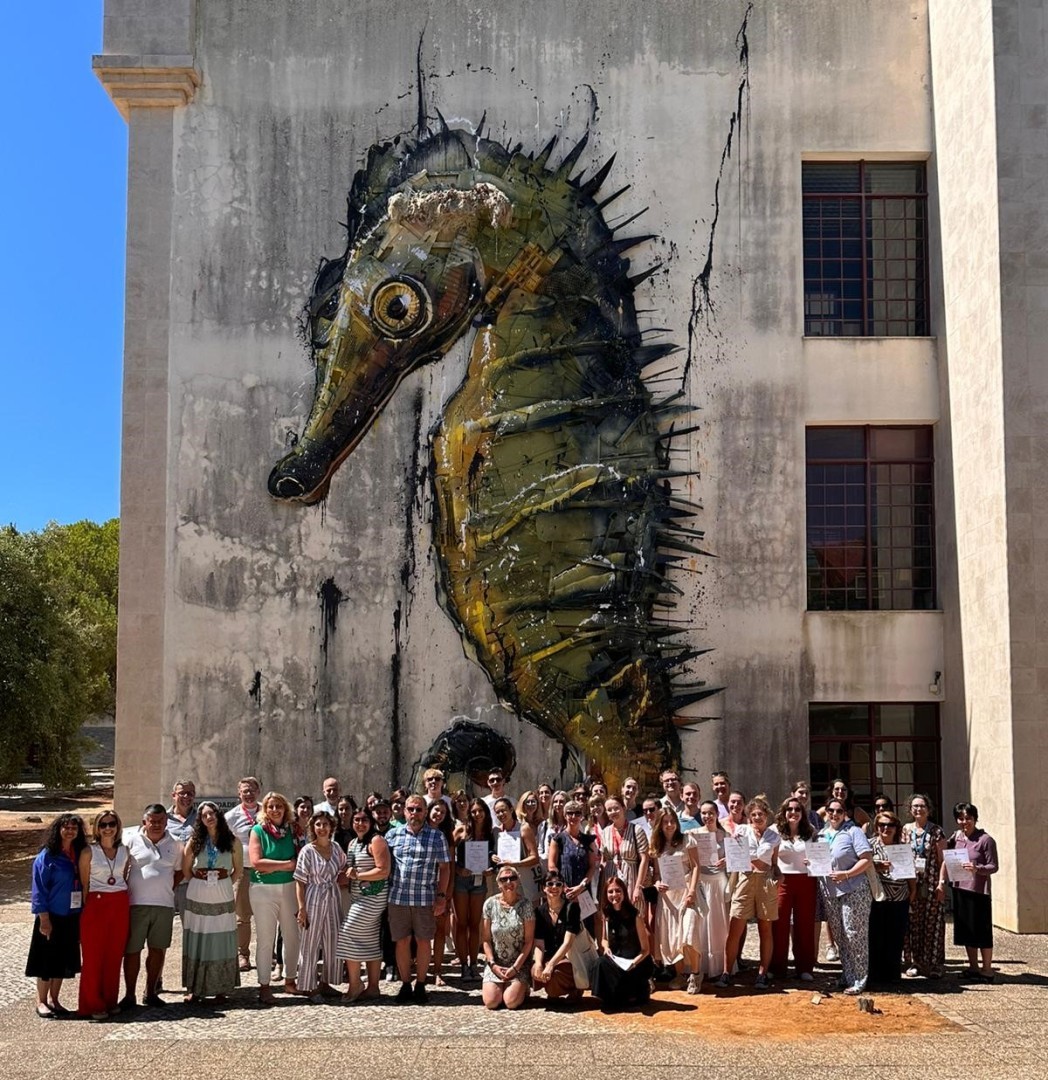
{"x":972,"y":907}
{"x":626,"y":938}
{"x":320,"y":863}
{"x":715,"y":889}
{"x":212,"y":864}
{"x":924,"y":950}
{"x":360,"y":939}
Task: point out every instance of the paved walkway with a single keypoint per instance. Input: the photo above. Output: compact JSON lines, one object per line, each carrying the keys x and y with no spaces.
{"x":987,"y":1031}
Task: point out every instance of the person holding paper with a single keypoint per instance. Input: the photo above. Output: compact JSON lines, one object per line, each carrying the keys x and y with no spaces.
{"x":754,"y":894}
{"x":891,"y":909}
{"x":796,"y":894}
{"x":972,"y":909}
{"x":708,"y":841}
{"x":623,"y":974}
{"x":676,"y":919}
{"x":574,"y":855}
{"x":924,"y":950}
{"x":360,"y":937}
{"x":507,"y":935}
{"x":523,"y":855}
{"x":846,"y":894}
{"x":473,"y":878}
{"x":555,"y":823}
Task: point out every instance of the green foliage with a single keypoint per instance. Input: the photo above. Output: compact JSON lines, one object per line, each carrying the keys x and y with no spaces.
{"x":58,"y":599}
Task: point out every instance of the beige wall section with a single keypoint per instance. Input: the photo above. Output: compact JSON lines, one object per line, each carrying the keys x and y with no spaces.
{"x":966,"y":162}
{"x":1021,"y":67}
{"x":874,"y":655}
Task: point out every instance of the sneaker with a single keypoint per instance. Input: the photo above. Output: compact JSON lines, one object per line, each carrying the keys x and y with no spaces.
{"x":419,"y":996}
{"x":910,"y":973}
{"x":807,"y":976}
{"x":832,"y":955}
{"x":694,"y":984}
{"x":404,"y":994}
{"x":722,"y":982}
{"x":853,"y":991}
{"x":763,"y":982}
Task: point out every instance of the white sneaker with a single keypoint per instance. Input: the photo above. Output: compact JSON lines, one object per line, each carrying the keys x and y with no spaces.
{"x":694,"y":984}
{"x":831,"y":954}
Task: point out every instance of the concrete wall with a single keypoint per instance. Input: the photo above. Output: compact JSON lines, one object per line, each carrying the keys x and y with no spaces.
{"x":251,"y":191}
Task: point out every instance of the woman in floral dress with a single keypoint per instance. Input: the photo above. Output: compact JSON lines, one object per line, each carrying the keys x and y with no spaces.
{"x":924,"y":949}
{"x":507,"y":936}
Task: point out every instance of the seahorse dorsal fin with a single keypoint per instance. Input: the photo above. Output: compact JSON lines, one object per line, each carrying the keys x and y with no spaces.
{"x":573,"y":155}
{"x":592,"y":185}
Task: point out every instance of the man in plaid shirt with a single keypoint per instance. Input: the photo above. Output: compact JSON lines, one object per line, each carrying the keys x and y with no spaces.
{"x":421,"y":870}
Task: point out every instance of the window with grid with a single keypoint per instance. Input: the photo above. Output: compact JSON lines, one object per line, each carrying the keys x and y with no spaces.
{"x":870,"y":519}
{"x":890,"y":748}
{"x":865,"y":248}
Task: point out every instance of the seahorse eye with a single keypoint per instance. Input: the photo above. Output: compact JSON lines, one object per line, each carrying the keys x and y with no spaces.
{"x":400,"y":308}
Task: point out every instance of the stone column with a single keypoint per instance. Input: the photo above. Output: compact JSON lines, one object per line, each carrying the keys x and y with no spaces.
{"x":148,"y":71}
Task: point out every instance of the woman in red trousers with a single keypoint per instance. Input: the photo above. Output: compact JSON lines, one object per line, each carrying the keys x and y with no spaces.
{"x":796,"y":894}
{"x":104,"y":920}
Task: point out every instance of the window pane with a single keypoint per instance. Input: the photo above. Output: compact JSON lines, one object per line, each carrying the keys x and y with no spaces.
{"x":895,"y":178}
{"x":836,"y":443}
{"x":838,"y":720}
{"x":901,"y":444}
{"x":826,"y":176}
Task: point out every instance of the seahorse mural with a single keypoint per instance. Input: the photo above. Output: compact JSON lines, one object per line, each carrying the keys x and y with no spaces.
{"x":555,"y":522}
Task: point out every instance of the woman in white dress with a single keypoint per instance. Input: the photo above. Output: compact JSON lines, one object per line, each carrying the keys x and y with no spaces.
{"x":676,"y":918}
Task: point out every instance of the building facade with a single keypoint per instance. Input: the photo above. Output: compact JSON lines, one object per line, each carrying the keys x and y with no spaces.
{"x":847,"y":204}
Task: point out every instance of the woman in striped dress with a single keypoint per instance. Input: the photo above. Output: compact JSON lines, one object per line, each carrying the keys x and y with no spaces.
{"x":360,"y":939}
{"x":212,"y":863}
{"x":316,"y":887}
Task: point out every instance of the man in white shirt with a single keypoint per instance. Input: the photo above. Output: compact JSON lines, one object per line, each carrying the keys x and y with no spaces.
{"x":721,"y":793}
{"x":671,"y":786}
{"x":240,"y":820}
{"x":433,"y":781}
{"x":155,"y":869}
{"x":497,"y":788}
{"x":332,"y":793}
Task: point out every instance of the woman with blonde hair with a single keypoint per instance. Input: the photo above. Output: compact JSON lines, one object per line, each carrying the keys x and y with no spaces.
{"x":273,"y":852}
{"x":105,"y":918}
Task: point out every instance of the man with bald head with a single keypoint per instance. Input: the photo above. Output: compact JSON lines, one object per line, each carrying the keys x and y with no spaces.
{"x":332,"y":793}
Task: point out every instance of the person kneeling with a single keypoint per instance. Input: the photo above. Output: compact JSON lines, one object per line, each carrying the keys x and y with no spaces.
{"x":557,"y":922}
{"x":507,"y":934}
{"x":622,"y":976}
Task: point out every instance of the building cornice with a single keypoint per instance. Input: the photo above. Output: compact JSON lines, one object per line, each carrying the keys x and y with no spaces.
{"x":150,"y":82}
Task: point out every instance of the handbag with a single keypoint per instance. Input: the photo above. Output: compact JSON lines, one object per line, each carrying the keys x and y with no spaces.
{"x":875,"y":883}
{"x":584,"y":959}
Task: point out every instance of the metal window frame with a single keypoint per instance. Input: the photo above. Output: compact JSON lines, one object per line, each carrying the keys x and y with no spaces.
{"x":922,"y":280}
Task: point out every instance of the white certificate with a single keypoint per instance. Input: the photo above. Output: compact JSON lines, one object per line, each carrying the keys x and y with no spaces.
{"x":900,"y":858}
{"x":645,"y":824}
{"x":671,"y":871}
{"x":705,"y":847}
{"x":587,"y":905}
{"x":477,"y":860}
{"x":737,"y":855}
{"x":955,"y":858}
{"x":820,"y":858}
{"x":621,"y":961}
{"x":509,"y":848}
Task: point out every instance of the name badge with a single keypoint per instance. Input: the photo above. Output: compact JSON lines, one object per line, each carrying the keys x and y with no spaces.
{"x":919,"y":865}
{"x":212,"y":877}
{"x":76,"y":899}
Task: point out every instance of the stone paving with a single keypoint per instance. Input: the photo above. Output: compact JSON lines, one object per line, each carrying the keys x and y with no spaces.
{"x":999,"y":1030}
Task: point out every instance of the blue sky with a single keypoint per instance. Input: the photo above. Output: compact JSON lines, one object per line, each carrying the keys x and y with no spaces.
{"x":62,"y":204}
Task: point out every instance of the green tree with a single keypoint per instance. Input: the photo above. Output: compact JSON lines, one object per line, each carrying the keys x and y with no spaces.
{"x":57,"y":644}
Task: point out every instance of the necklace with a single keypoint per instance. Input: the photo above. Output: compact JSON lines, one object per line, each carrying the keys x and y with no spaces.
{"x":111,"y":880}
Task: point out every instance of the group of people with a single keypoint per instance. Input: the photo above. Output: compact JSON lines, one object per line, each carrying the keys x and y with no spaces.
{"x":563,"y":891}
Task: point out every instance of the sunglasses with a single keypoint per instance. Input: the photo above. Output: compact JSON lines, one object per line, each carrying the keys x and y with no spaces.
{"x":107,"y":824}
{"x":531,"y":802}
{"x":576,"y":813}
{"x":415,"y":809}
{"x":508,"y":880}
{"x":550,"y":883}
{"x":835,"y":812}
{"x":434,"y":780}
{"x":794,"y":810}
{"x":885,"y":824}
{"x":651,"y":809}
{"x":881,"y":806}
